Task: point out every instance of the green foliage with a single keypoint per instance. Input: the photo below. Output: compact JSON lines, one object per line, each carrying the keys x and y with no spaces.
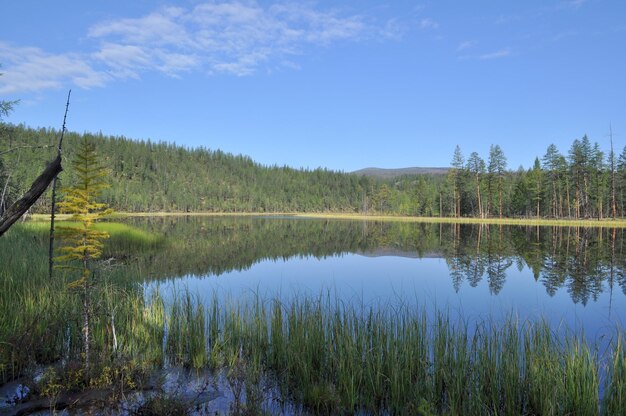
{"x":156,"y":176}
{"x":151,"y":177}
{"x":84,"y":243}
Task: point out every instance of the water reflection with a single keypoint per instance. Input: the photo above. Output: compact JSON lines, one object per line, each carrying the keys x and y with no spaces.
{"x":584,"y":261}
{"x":571,"y":278}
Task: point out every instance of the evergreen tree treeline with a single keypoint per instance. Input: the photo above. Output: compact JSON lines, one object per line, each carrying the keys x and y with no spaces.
{"x":583,"y":184}
{"x":148,"y":176}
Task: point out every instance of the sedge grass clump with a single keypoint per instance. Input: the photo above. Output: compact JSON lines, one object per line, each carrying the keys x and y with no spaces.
{"x":615,"y":390}
{"x":186,"y":334}
{"x":335,"y":358}
{"x":34,"y":308}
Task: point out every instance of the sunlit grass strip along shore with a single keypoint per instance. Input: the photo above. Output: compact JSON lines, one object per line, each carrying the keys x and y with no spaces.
{"x":122,"y":235}
{"x":607,"y":222}
{"x":617,"y":223}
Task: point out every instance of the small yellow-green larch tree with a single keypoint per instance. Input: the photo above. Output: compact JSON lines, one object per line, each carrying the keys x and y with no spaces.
{"x":82,"y":243}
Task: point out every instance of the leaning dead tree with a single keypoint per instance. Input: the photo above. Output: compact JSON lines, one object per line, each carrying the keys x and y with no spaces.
{"x":38,"y":187}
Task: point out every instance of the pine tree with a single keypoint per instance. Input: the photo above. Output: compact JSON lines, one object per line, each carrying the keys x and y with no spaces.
{"x":621,"y":181}
{"x":551,"y":164}
{"x":83,"y":244}
{"x":496,"y":169}
{"x":476,"y":166}
{"x":458,"y":163}
{"x":536,"y":183}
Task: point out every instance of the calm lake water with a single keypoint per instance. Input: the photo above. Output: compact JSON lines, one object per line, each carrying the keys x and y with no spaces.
{"x":573,"y":277}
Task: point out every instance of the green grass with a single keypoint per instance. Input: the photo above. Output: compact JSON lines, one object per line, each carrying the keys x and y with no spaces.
{"x":567,"y":222}
{"x":41,"y":316}
{"x":124,"y":239}
{"x":339,"y":359}
{"x":336,"y":358}
{"x":617,"y":223}
{"x":121,"y":234}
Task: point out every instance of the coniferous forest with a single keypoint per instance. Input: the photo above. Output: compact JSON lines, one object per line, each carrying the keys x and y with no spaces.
{"x":584,"y":181}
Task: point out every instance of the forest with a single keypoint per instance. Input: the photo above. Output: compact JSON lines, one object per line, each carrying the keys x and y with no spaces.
{"x":145,"y":176}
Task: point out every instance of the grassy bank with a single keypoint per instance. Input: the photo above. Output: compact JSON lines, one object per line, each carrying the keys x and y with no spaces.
{"x":617,"y":223}
{"x":122,"y":237}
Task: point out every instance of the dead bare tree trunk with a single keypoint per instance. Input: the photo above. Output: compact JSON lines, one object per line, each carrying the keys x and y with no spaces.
{"x":54,"y":193}
{"x":38,"y":187}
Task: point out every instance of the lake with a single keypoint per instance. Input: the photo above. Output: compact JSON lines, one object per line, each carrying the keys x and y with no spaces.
{"x":331,"y":316}
{"x":573,"y":278}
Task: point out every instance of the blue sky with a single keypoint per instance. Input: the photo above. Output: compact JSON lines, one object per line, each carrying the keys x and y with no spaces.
{"x":336,"y":84}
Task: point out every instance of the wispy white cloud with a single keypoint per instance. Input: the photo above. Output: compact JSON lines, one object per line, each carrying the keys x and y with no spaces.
{"x":123,"y":60}
{"x":507,"y":19}
{"x":563,"y":35}
{"x":31,"y":69}
{"x":232,"y":36}
{"x":393,"y":29}
{"x":466,"y":44}
{"x":428,"y":23}
{"x":501,"y":53}
{"x":498,"y":54}
{"x":571,"y":4}
{"x":158,"y":28}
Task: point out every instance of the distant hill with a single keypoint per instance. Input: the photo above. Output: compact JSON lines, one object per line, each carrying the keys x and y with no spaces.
{"x":393,"y":173}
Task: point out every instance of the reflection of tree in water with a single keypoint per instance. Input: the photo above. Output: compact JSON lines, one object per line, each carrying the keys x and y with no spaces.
{"x":497,"y":263}
{"x":451,"y":251}
{"x":456,"y":272}
{"x":554,"y":272}
{"x":578,"y":259}
{"x":620,"y":260}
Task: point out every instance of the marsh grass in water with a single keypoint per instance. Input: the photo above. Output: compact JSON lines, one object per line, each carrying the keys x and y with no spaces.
{"x":337,"y":358}
{"x":39,"y":315}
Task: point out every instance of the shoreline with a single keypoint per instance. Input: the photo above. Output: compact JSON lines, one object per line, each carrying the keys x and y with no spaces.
{"x":609,"y":223}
